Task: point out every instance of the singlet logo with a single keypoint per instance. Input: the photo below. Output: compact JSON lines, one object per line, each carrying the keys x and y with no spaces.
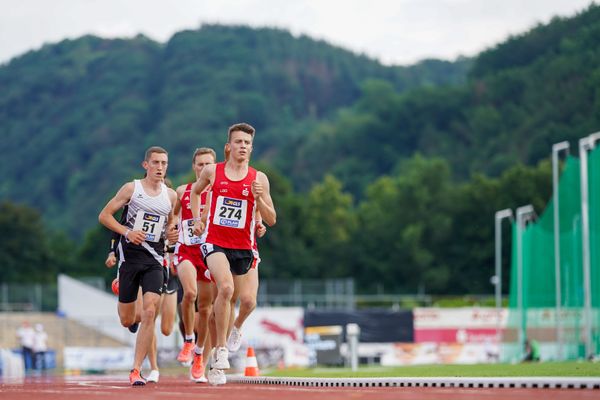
{"x":150,"y":217}
{"x":223,"y":191}
{"x":245,"y":192}
{"x":232,"y":202}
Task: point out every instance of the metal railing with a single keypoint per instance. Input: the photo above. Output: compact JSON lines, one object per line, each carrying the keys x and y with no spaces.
{"x":311,"y":294}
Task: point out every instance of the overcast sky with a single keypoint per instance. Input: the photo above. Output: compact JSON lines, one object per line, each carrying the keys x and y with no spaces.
{"x":393,"y":31}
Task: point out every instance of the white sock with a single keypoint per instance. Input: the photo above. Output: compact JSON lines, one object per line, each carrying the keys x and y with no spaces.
{"x":199,"y":350}
{"x":189,"y":338}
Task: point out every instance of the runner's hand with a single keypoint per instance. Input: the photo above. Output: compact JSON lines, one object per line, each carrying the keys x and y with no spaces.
{"x":111,"y":260}
{"x":172,"y":233}
{"x":261,"y":229}
{"x":257,"y":189}
{"x":198,"y":228}
{"x":136,"y":237}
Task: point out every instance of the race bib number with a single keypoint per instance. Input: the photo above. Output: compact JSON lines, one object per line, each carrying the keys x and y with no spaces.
{"x":189,"y":238}
{"x":206,"y":249}
{"x":151,"y":224}
{"x":230,"y":213}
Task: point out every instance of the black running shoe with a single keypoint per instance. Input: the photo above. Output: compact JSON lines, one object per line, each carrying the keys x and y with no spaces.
{"x":133,"y":328}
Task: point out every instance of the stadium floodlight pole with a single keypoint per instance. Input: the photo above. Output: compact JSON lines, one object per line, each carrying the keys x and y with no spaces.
{"x":523,"y":214}
{"x":556,"y":149}
{"x":500,"y":215}
{"x":586,"y":144}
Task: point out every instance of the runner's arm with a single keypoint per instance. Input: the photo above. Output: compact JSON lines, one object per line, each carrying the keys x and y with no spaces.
{"x":180,"y":190}
{"x":262,"y":196}
{"x":205,"y":179}
{"x":106,"y":216}
{"x":172,"y":232}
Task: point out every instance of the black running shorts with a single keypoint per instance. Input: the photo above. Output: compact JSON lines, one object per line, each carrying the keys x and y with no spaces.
{"x":133,"y":275}
{"x":240,"y":261}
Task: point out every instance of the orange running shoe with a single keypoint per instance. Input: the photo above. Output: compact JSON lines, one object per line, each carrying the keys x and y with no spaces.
{"x":135,"y":378}
{"x":185,"y":355}
{"x":197,"y":369}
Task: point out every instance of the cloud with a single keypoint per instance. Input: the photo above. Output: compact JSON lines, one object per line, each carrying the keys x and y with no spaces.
{"x":393,"y":31}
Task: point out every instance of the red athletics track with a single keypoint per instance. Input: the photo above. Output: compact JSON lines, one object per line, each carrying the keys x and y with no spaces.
{"x":116,"y":387}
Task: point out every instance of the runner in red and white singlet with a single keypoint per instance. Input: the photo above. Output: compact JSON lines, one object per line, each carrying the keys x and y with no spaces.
{"x":188,"y":245}
{"x":237,"y":193}
{"x":193,"y":274}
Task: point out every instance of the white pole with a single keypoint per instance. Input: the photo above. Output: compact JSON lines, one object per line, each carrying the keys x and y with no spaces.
{"x":500,"y":215}
{"x":352,"y":333}
{"x":585,"y":145}
{"x":522,"y":213}
{"x":556,"y":149}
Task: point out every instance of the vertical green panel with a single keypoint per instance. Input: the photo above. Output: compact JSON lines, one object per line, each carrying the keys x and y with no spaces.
{"x":594,"y":199}
{"x":570,"y":235}
{"x":539,"y":275}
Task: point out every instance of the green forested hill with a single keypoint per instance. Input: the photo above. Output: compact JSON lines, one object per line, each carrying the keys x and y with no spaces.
{"x":522,"y":96}
{"x":76,"y":116}
{"x":390,"y":175}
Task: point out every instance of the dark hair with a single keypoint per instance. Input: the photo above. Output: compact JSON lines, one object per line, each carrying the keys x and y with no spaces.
{"x":154,"y":149}
{"x":242,"y":126}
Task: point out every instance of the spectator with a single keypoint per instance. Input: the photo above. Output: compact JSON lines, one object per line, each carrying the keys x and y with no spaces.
{"x":26,"y":335}
{"x":532,"y":350}
{"x":40,"y":346}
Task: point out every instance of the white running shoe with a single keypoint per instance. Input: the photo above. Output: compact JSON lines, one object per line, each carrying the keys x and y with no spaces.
{"x":153,"y":376}
{"x":221,"y":360}
{"x":216,"y":377}
{"x":235,"y":340}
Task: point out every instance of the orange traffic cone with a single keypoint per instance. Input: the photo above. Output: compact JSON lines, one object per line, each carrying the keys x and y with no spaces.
{"x":251,"y":364}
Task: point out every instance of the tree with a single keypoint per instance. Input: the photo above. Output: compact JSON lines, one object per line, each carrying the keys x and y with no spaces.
{"x":328,"y":227}
{"x":405,"y":220}
{"x":26,"y":246}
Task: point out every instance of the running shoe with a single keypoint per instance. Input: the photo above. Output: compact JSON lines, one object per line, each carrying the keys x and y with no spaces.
{"x":135,"y":378}
{"x":185,"y":355}
{"x":133,"y":328}
{"x":235,"y":340}
{"x":153,"y":376}
{"x":221,"y":360}
{"x":216,"y":377}
{"x":197,"y":369}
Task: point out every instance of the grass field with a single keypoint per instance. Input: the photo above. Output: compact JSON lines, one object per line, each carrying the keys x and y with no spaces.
{"x":574,"y":369}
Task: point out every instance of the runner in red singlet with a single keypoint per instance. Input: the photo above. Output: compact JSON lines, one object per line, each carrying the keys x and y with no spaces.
{"x":237,"y":192}
{"x":193,"y":273}
{"x":245,"y":289}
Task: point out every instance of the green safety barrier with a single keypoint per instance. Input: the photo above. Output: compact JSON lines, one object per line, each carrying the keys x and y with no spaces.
{"x":565,"y":337}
